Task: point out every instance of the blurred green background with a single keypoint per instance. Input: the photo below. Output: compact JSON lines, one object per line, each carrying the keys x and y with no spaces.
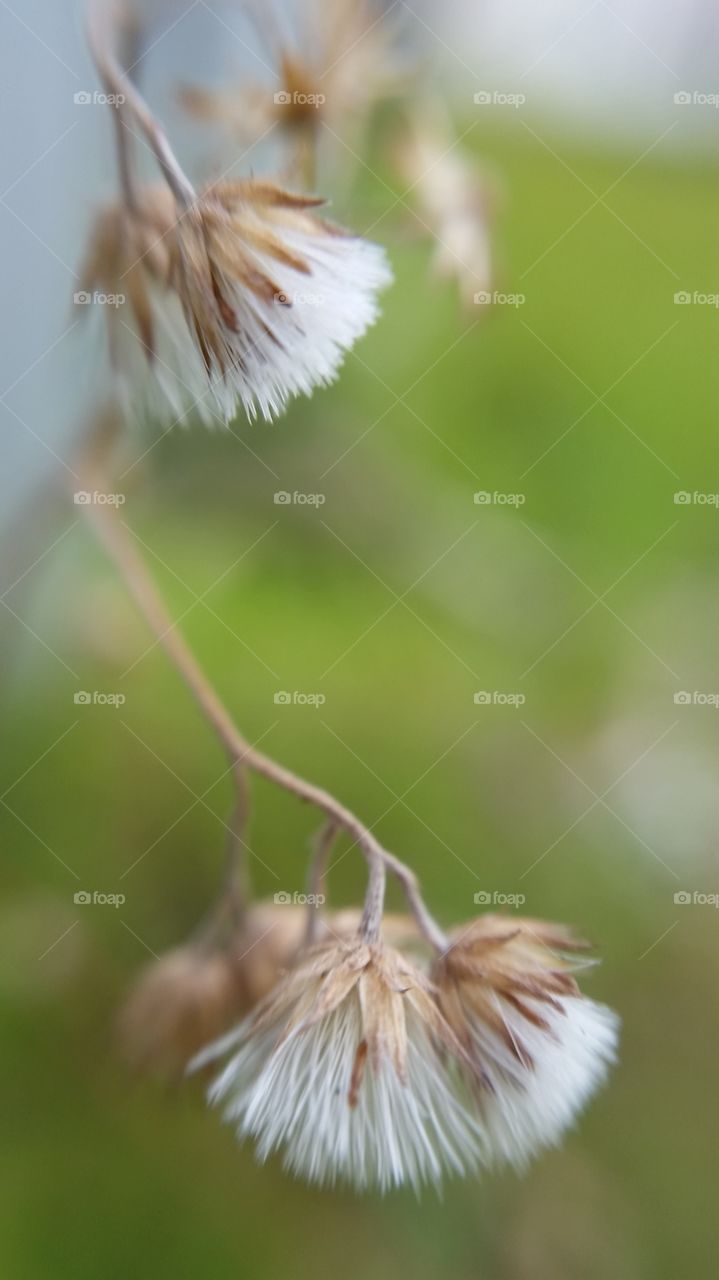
{"x":398,"y":599}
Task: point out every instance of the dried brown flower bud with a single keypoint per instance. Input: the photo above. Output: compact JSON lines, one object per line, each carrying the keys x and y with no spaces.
{"x":179,"y":1002}
{"x":455,"y":204}
{"x":130,"y":252}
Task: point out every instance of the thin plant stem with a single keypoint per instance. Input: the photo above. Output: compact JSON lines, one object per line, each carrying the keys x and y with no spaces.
{"x":322,"y":848}
{"x":117,"y":82}
{"x":127,"y":181}
{"x":410,"y":887}
{"x":236,"y":887}
{"x":120,"y":546}
{"x":130,"y":41}
{"x":228,"y":913}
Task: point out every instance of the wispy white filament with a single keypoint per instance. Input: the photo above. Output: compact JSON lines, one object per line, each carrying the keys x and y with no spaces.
{"x":294,"y":1098}
{"x":530,"y":1105}
{"x":291,"y":1094}
{"x":280,"y":347}
{"x":299,"y":340}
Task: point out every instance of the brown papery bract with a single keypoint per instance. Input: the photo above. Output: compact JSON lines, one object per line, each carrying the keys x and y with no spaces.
{"x":524,"y":962}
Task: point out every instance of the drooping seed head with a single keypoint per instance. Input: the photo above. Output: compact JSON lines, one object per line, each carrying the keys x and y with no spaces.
{"x":247,"y":297}
{"x":536,"y":1049}
{"x":348,"y":1068}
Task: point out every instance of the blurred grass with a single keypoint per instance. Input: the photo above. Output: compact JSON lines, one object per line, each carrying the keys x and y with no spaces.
{"x":100,"y":1178}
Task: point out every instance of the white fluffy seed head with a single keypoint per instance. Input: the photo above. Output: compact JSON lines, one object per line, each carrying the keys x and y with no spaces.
{"x":343,"y":1071}
{"x":246,"y":299}
{"x":526,"y":1107}
{"x":297,"y":340}
{"x":536,"y":1049}
{"x":359,"y":1070}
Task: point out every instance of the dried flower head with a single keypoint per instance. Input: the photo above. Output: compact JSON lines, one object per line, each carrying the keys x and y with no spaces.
{"x":538,"y":1049}
{"x":129,"y":259}
{"x":455,"y":204}
{"x":179,"y":1002}
{"x":347,"y":1067}
{"x":273,"y":294}
{"x":333,"y":68}
{"x":245,"y":296}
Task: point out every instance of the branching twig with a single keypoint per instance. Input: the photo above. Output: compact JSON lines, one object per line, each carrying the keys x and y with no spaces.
{"x":117,"y":540}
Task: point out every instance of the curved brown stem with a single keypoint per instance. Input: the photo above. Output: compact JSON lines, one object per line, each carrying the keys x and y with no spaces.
{"x":100,"y":36}
{"x":229,"y":911}
{"x":322,"y":847}
{"x":118,"y":542}
{"x":236,"y":887}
